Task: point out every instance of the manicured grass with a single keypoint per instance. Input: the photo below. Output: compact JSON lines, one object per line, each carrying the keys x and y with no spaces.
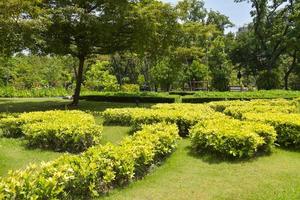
{"x":14,"y":155}
{"x":186,"y":177}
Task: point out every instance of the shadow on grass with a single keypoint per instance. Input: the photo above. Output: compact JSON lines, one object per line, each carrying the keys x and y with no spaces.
{"x":290,"y":149}
{"x":217,"y":158}
{"x":28,"y":105}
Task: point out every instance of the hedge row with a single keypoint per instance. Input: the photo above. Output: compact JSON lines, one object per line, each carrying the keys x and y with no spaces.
{"x":129,"y":99}
{"x":283,"y":103}
{"x":261,"y":94}
{"x":287,"y":126}
{"x":94,"y":172}
{"x":281,"y":114}
{"x":238,"y":111}
{"x":72,"y":131}
{"x":184,"y":115}
{"x":232,"y":138}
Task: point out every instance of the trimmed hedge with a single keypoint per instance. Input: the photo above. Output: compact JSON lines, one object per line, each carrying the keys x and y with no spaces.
{"x":129,"y":99}
{"x":261,"y":94}
{"x":232,"y":138}
{"x":222,"y":105}
{"x":72,"y":131}
{"x":94,"y":172}
{"x":238,"y":111}
{"x":184,"y":115}
{"x":287,"y":126}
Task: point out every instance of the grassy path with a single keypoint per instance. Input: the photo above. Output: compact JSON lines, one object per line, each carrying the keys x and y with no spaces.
{"x":186,"y":177}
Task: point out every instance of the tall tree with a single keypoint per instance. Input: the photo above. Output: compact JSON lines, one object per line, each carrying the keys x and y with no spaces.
{"x":81,"y":29}
{"x":272,"y":26}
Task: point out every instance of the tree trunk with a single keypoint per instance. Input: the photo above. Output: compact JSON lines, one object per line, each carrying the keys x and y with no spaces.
{"x":286,"y":82}
{"x":290,"y":70}
{"x":78,"y":81}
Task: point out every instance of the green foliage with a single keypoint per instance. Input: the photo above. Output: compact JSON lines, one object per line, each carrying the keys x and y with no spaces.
{"x":35,"y":92}
{"x":130,"y":88}
{"x":268,"y":80}
{"x":232,"y":138}
{"x":164,"y":74}
{"x":94,"y":172}
{"x":72,"y":131}
{"x":262,"y":94}
{"x":99,"y":78}
{"x":220,"y":80}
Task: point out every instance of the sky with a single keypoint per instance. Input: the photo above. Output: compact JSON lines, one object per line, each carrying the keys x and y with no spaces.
{"x":239,"y":13}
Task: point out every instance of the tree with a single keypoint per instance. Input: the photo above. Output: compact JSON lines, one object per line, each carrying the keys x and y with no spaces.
{"x":14,"y":25}
{"x":219,"y":20}
{"x":219,"y":64}
{"x":271,"y":27}
{"x":191,"y":10}
{"x":99,"y":78}
{"x":81,"y":29}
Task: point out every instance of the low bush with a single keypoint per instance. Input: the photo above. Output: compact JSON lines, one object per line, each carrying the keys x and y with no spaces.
{"x":184,"y":115}
{"x":72,"y":131}
{"x":206,"y":97}
{"x":94,"y":172}
{"x":287,"y":126}
{"x":238,"y":111}
{"x":129,"y":99}
{"x":130,"y":88}
{"x":232,"y":138}
{"x":271,"y":104}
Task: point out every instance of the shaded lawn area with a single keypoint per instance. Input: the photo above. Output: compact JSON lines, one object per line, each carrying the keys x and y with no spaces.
{"x":186,"y":177}
{"x":42,"y":104}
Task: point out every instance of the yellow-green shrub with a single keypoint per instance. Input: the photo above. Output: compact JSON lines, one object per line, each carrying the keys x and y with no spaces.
{"x":72,"y":131}
{"x":184,"y":115}
{"x":287,"y":126}
{"x":233,"y":138}
{"x":238,"y":111}
{"x":222,"y":105}
{"x":94,"y":172}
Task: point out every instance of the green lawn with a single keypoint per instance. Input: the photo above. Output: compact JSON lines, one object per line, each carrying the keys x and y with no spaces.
{"x":183,"y":175}
{"x":186,"y":177}
{"x":15,"y":155}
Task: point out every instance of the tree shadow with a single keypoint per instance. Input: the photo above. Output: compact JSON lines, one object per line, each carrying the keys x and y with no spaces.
{"x":289,"y":149}
{"x":216,"y":158}
{"x":40,"y":104}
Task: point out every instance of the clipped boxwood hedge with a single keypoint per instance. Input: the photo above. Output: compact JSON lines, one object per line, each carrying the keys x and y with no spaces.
{"x":287,"y":126}
{"x":232,"y":138}
{"x":94,"y":172}
{"x":72,"y":131}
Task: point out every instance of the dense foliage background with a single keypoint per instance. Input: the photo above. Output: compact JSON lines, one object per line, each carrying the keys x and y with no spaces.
{"x":148,"y":45}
